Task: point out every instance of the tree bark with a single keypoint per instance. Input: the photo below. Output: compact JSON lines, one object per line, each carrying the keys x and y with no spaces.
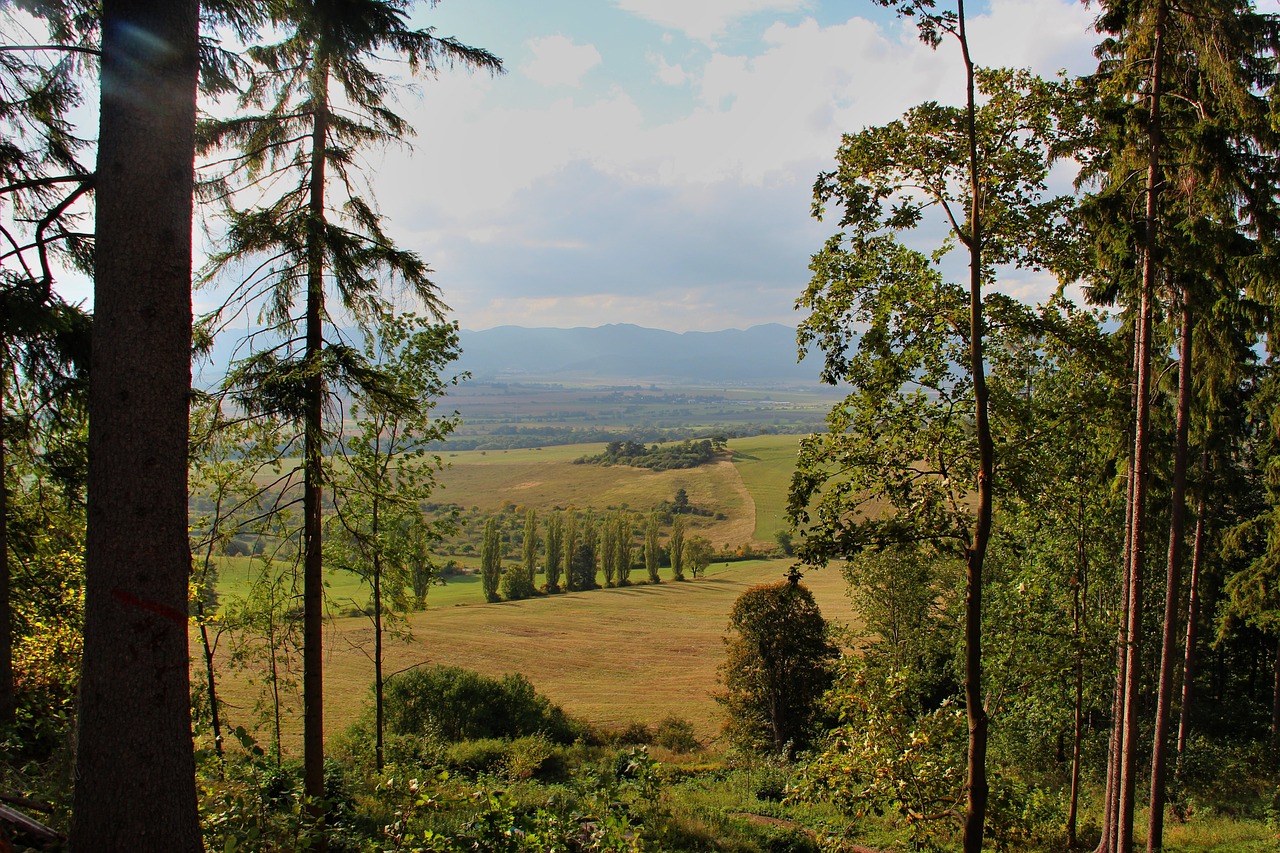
{"x":1172,"y":588}
{"x":135,"y":771}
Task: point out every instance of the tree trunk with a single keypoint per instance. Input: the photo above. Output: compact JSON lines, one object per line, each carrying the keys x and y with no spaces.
{"x":1142,"y":417}
{"x":135,"y":771}
{"x":1275,"y":698}
{"x":1111,"y":798}
{"x":8,"y":701}
{"x":1172,"y":588}
{"x":976,"y":788}
{"x":313,"y":473}
{"x":1077,"y":710}
{"x":379,"y":721}
{"x":211,"y":681}
{"x":1193,"y":618}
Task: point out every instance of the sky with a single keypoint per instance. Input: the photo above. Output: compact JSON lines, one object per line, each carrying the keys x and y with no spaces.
{"x":652,"y":161}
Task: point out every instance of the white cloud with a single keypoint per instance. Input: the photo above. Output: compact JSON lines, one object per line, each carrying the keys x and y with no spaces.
{"x":558,"y":61}
{"x":666,"y":72}
{"x":704,"y":19}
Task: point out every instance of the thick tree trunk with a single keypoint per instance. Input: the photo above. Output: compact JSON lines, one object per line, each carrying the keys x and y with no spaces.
{"x":1172,"y":588}
{"x":135,"y":772}
{"x":313,"y":473}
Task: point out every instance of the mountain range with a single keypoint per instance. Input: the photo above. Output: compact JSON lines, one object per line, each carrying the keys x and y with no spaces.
{"x":763,"y":354}
{"x":620,"y":353}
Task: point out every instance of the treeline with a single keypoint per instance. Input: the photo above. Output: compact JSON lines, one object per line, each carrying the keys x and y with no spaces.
{"x":659,"y":457}
{"x":524,"y":438}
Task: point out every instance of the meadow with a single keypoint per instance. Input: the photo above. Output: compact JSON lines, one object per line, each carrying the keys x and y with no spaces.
{"x":611,"y":656}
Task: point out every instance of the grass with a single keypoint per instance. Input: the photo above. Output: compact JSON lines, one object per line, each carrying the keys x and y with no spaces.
{"x":548,"y":479}
{"x":765,"y":464}
{"x":611,"y":656}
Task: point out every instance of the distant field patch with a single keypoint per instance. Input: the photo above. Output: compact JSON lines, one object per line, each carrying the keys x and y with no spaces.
{"x":765,"y":463}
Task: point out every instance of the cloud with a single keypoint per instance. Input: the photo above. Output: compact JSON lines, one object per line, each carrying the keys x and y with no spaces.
{"x":666,"y":72}
{"x":558,"y":61}
{"x":703,"y":20}
{"x":531,"y":210}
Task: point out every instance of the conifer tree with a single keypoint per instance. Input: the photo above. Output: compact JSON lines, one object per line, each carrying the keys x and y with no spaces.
{"x":317,"y":99}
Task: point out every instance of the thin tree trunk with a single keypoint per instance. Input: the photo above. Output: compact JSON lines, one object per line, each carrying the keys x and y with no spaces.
{"x":1142,"y":417}
{"x":1111,"y":800}
{"x":1275,"y":698}
{"x":211,"y":681}
{"x":1172,"y":588}
{"x":135,"y":769}
{"x":976,"y":788}
{"x":1193,"y":619}
{"x":8,"y":701}
{"x":313,"y":474}
{"x":377,"y":641}
{"x":1077,"y":711}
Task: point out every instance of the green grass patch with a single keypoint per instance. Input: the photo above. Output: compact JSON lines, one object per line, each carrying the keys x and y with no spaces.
{"x":765,"y":463}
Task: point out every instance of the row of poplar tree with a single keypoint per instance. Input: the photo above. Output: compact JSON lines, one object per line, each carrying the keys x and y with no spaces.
{"x":578,"y":549}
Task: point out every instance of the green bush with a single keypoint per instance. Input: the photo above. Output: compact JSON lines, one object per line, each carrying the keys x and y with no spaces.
{"x":456,"y":704}
{"x":676,"y":734}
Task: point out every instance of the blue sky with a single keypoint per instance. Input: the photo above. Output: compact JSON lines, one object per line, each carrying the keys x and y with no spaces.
{"x":651,"y":161}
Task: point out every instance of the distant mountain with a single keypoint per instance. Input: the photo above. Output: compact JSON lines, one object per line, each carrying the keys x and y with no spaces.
{"x":623,"y":352}
{"x":620,"y":353}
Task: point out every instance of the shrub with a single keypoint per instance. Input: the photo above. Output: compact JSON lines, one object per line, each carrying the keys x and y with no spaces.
{"x":778,"y":664}
{"x":676,"y":734}
{"x":458,"y":704}
{"x":635,"y":733}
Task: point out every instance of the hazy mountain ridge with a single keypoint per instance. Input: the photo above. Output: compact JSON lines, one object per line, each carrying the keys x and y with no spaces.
{"x":622,"y":352}
{"x":760,"y":354}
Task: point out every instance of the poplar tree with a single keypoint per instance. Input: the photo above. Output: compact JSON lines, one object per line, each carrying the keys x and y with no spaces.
{"x":652,"y":549}
{"x":491,"y":560}
{"x":554,"y":555}
{"x":675,"y":548}
{"x":529,"y":547}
